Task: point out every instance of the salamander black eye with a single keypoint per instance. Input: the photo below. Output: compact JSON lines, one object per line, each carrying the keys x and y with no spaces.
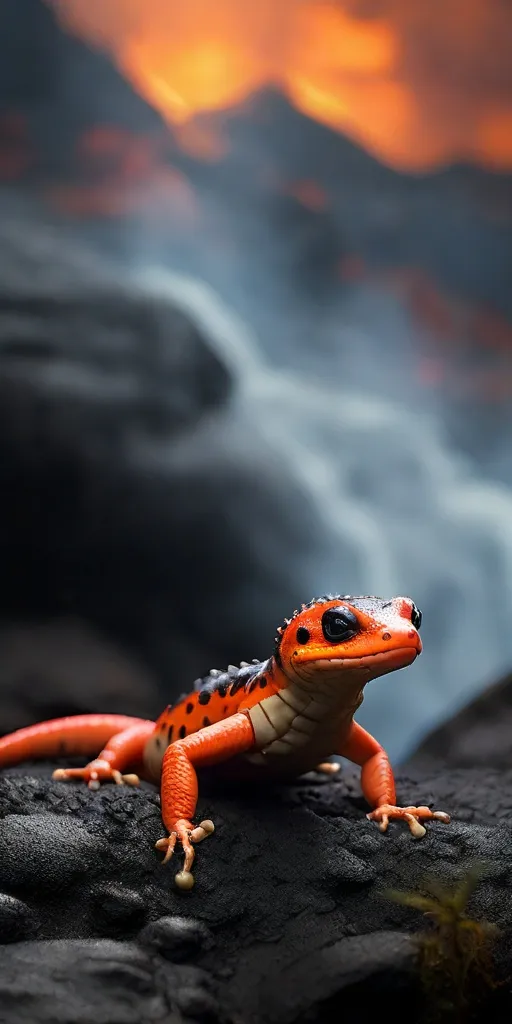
{"x":339,"y":624}
{"x":416,"y":617}
{"x":303,"y":635}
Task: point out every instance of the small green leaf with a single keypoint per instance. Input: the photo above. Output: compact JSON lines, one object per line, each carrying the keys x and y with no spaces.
{"x":467,"y":885}
{"x":411,"y":899}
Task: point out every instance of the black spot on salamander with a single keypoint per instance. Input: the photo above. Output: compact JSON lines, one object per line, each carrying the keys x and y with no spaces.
{"x":252,"y":685}
{"x":158,"y":742}
{"x":183,"y":731}
{"x":263,"y":682}
{"x":206,"y":721}
{"x":204,"y":697}
{"x":169,"y":733}
{"x":223,"y":689}
{"x":238,"y":684}
{"x":189,"y":708}
{"x":225,"y":709}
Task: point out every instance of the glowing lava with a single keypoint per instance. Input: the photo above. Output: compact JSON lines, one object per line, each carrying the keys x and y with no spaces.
{"x":418,"y":84}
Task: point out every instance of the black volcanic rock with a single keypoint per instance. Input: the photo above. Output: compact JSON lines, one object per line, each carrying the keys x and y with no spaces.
{"x":131,"y":506}
{"x":63,"y":666}
{"x":41,"y":62}
{"x":80,"y":334}
{"x":440,"y":222}
{"x":288,"y":918}
{"x":92,"y":371}
{"x":104,"y":982}
{"x":478,"y":736}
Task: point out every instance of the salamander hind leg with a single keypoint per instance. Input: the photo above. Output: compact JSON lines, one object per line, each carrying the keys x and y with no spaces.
{"x":121,"y":751}
{"x":328,"y":768}
{"x":94,"y":774}
{"x":208,"y":746}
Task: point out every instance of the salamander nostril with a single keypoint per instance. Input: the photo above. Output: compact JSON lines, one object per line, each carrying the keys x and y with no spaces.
{"x":386,"y":636}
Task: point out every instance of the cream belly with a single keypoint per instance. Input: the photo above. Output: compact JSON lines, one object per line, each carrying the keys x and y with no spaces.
{"x":295,"y":729}
{"x":153,"y":756}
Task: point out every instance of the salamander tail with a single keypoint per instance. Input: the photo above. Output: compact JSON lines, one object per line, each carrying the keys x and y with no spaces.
{"x":76,"y":736}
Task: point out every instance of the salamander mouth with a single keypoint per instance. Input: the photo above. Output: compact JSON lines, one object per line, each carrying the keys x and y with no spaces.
{"x":377,"y":664}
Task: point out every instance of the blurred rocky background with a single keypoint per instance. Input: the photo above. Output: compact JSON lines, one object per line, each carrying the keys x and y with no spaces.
{"x":255,"y":342}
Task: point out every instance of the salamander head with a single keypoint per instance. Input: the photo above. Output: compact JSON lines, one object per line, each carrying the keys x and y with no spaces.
{"x":344,"y":639}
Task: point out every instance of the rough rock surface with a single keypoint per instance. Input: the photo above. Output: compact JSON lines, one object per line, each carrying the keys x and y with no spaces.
{"x":105,"y":982}
{"x":288,"y":916}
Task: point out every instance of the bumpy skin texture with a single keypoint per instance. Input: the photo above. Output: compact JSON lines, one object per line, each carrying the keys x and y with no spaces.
{"x":275,"y":718}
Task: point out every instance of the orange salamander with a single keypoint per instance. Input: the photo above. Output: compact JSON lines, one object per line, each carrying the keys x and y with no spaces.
{"x":277,"y":718}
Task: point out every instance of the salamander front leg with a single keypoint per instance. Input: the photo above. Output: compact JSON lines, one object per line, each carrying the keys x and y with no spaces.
{"x":212,"y":745}
{"x":378,"y":785}
{"x":412,"y":815}
{"x":187,"y":835}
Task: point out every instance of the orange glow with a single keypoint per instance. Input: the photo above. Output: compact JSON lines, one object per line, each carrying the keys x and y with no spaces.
{"x":122,"y":174}
{"x":169,"y":193}
{"x":495,"y":138}
{"x":418,"y":85}
{"x":309,"y":194}
{"x":201,"y":139}
{"x":15,"y":151}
